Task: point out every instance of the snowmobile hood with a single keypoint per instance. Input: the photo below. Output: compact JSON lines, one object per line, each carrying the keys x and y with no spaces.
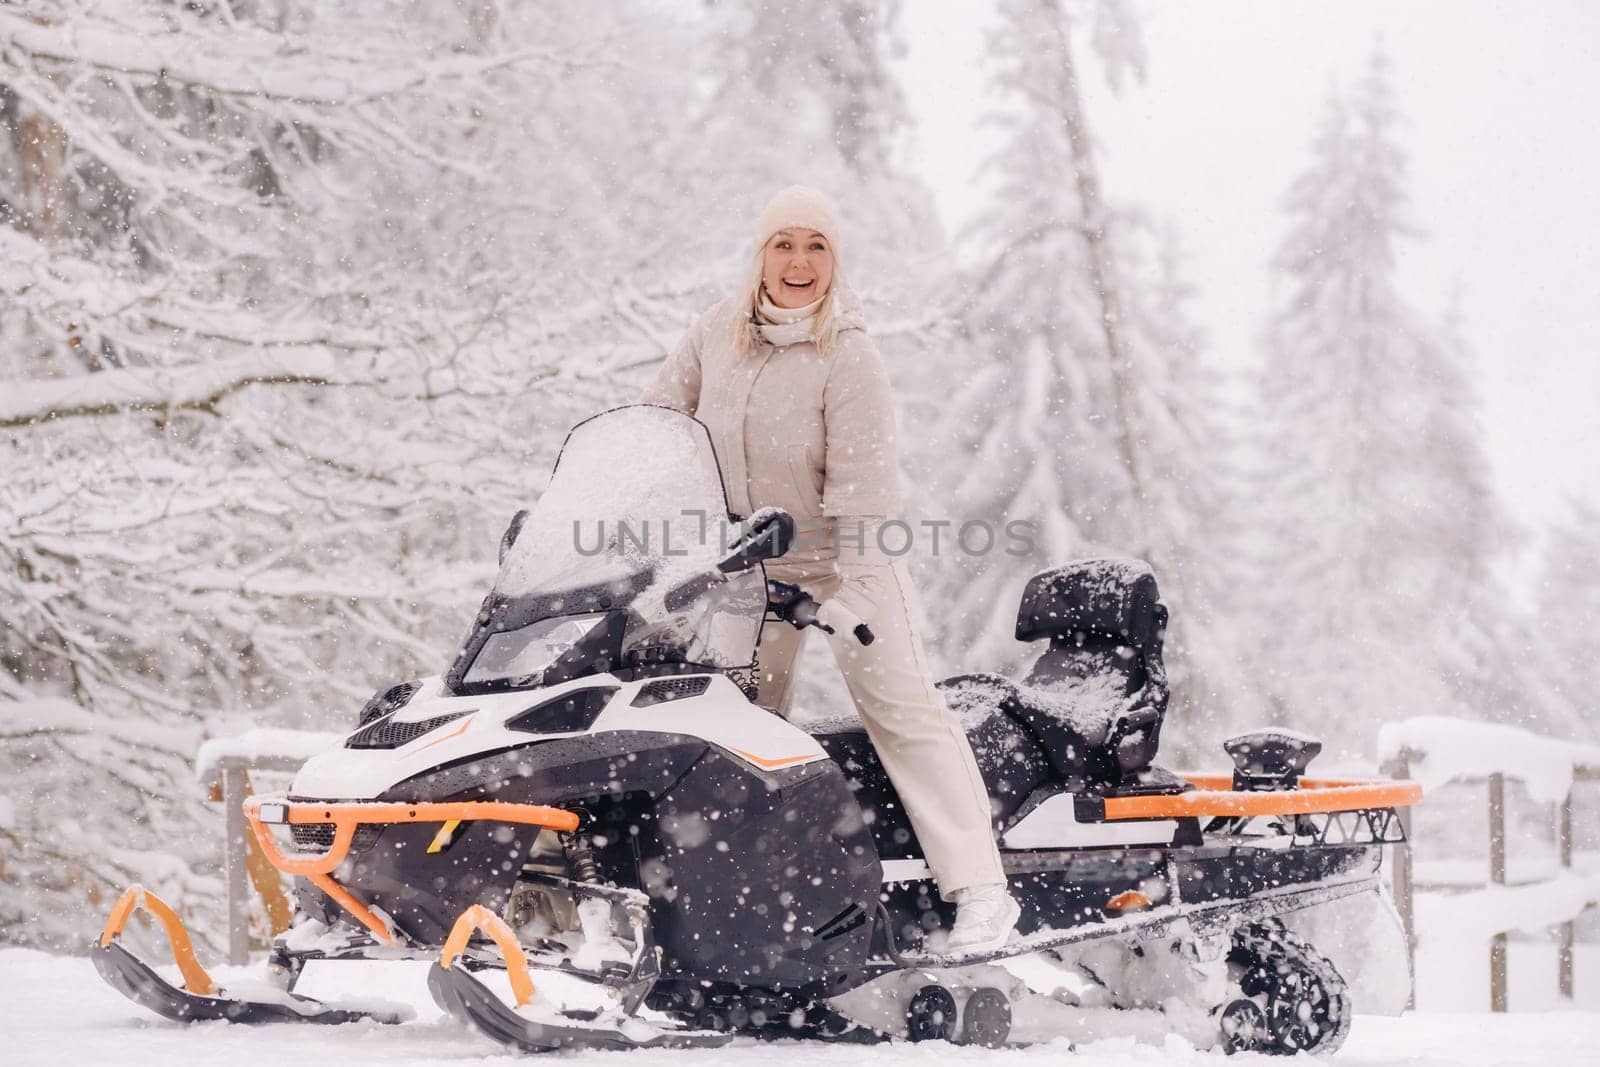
{"x":438,"y":729}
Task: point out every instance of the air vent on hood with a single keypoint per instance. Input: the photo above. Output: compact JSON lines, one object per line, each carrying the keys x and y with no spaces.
{"x":387,"y":733}
{"x":388,"y":700}
{"x":665,"y":689}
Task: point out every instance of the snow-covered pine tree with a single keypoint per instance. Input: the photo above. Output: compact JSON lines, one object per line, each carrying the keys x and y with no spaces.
{"x":1377,"y":505}
{"x":1201,"y":461}
{"x":818,"y":74}
{"x":1559,"y":644}
{"x":808,"y":95}
{"x":172,"y":277}
{"x":1488,"y":651}
{"x":1027,"y":422}
{"x":1078,"y":369}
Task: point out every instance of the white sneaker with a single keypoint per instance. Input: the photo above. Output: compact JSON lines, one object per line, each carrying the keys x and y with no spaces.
{"x":985,"y":917}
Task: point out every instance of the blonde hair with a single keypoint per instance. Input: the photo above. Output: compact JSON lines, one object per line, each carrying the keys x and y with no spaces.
{"x":746,"y":334}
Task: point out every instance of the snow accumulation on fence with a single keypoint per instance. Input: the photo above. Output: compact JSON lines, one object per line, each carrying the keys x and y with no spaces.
{"x":1440,"y":749}
{"x":260,"y":744}
{"x":1482,"y":913}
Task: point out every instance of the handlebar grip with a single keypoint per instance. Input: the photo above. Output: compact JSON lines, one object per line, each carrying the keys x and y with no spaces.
{"x":799,"y":609}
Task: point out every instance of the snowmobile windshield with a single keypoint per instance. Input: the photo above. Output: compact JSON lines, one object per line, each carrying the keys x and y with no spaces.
{"x":635,"y":508}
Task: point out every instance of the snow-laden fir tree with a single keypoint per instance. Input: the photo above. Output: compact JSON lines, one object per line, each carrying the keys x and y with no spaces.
{"x":1559,"y":644}
{"x":820,"y":74}
{"x":1378,"y":588}
{"x":1202,"y":461}
{"x":807,"y":95}
{"x":171,"y":275}
{"x":1078,"y":372}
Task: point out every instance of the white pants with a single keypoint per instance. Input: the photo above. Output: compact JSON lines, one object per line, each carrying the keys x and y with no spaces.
{"x":918,"y":738}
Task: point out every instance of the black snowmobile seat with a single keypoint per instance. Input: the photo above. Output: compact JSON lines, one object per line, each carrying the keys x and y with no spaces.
{"x":1108,"y":597}
{"x":1010,"y":759}
{"x":1086,"y":718}
{"x":1081,"y":743}
{"x":1097,"y":695}
{"x":1010,"y":762}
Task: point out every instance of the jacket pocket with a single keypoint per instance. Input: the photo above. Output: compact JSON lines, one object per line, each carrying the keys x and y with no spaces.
{"x":807,"y":481}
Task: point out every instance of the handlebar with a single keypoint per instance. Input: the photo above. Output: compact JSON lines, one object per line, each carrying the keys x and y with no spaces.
{"x":799,"y":609}
{"x":788,"y":602}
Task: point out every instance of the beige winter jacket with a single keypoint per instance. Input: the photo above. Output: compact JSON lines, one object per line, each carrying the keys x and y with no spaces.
{"x":794,"y":429}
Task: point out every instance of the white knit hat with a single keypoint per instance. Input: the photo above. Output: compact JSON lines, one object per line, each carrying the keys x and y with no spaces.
{"x":799,"y":207}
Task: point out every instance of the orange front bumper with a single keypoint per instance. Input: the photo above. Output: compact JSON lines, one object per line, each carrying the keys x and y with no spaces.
{"x":264,"y":811}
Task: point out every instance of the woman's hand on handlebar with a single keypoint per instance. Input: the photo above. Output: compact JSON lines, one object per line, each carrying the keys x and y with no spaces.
{"x":835,"y":618}
{"x":798,"y":608}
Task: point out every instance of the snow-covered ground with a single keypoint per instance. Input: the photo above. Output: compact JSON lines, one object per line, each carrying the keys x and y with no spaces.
{"x":56,"y":1010}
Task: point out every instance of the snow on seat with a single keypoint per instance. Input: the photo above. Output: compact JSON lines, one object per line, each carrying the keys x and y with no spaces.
{"x":1096,"y":696}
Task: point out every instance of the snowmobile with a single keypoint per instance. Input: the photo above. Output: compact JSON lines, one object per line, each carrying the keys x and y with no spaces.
{"x":588,"y":799}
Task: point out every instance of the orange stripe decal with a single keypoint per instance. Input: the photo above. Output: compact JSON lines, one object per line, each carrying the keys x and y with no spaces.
{"x":457,"y":732}
{"x":1214,"y":795}
{"x":772,"y":764}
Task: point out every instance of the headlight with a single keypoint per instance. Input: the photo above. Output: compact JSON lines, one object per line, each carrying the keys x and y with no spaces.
{"x":525,"y":652}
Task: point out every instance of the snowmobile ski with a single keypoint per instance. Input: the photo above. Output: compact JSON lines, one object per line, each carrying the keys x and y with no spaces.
{"x":470,"y":1001}
{"x":134,"y":979}
{"x":529,"y":1025}
{"x":201,"y":998}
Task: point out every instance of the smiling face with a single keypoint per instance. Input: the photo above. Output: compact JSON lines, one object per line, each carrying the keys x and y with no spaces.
{"x":797,"y":267}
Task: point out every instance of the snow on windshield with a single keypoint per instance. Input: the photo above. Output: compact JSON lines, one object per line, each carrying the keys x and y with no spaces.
{"x":632,"y":487}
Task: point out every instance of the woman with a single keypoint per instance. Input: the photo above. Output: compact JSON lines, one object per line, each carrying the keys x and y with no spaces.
{"x":798,"y":405}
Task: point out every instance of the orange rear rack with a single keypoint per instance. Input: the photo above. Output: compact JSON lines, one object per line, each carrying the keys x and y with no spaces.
{"x":1214,"y":795}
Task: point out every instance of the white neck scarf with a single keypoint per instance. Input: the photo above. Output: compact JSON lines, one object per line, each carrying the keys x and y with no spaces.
{"x":787,"y":326}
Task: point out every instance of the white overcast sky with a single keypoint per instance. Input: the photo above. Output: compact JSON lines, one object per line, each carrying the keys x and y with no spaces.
{"x":1501,"y":110}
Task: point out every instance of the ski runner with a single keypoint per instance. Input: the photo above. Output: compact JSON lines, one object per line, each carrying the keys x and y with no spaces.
{"x":798,"y":404}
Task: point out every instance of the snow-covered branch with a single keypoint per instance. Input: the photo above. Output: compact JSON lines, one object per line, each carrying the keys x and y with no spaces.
{"x":345,"y":66}
{"x":198,"y":386}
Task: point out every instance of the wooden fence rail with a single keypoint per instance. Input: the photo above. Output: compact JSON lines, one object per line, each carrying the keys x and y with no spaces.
{"x":1404,"y":873}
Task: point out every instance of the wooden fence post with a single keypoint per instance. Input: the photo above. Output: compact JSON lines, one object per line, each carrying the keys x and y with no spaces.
{"x":234,"y":864}
{"x":1404,"y":903}
{"x":1564,"y":848}
{"x":1497,"y":875}
{"x":244,"y":864}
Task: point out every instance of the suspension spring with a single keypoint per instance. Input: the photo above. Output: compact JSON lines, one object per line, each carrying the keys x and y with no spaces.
{"x":581,"y":860}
